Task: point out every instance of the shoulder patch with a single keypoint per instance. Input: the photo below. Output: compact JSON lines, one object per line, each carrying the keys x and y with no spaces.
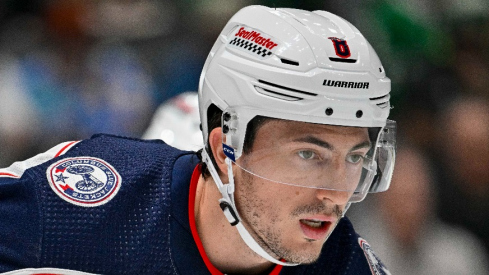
{"x":376,"y":266}
{"x":84,"y":181}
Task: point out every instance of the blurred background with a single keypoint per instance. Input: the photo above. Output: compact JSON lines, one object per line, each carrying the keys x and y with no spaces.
{"x":72,"y":68}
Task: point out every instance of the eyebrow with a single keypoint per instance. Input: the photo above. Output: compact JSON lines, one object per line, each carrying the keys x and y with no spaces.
{"x":324,"y":144}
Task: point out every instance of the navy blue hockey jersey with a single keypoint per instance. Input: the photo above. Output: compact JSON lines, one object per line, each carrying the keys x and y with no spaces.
{"x":113,"y":205}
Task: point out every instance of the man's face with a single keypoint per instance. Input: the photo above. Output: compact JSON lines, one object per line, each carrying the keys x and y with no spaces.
{"x":290,"y":202}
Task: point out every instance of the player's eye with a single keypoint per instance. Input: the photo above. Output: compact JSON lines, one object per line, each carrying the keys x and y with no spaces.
{"x":306,"y":154}
{"x":354,"y":158}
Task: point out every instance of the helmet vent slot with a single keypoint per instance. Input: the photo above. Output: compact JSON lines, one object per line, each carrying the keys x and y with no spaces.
{"x":381,"y":101}
{"x":286,"y":90}
{"x":289,"y":62}
{"x":344,"y":60}
{"x":277,"y":94}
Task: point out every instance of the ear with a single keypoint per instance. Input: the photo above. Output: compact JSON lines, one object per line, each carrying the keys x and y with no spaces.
{"x":215,"y":142}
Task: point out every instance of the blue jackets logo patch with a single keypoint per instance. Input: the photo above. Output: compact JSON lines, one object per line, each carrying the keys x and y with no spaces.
{"x":84,"y":181}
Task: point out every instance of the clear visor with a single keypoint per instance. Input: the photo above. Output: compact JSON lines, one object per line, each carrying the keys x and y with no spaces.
{"x":346,"y":160}
{"x":385,"y":157}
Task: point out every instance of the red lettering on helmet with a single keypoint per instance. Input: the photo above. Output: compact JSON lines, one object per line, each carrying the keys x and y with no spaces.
{"x":256,"y":37}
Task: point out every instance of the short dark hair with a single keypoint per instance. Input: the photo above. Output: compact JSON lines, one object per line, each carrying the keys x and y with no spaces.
{"x":214,"y":116}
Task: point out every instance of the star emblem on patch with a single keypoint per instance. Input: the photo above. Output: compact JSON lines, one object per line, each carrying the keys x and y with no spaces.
{"x":60,"y":177}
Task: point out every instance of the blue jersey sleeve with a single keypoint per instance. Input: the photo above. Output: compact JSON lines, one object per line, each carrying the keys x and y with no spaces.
{"x":21,"y":230}
{"x":100,"y":206}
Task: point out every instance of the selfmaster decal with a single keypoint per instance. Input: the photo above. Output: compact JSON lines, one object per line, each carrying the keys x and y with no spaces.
{"x":253,"y":42}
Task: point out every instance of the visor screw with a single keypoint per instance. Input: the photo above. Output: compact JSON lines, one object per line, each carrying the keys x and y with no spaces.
{"x":225,"y":129}
{"x":359,"y":113}
{"x":329,"y":111}
{"x":227,"y":116}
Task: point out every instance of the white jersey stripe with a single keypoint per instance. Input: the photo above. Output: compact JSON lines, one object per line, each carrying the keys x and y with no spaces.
{"x":46,"y":271}
{"x":17,"y":169}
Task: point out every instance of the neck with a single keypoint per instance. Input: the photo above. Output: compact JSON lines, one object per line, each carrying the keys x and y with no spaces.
{"x":222,"y":242}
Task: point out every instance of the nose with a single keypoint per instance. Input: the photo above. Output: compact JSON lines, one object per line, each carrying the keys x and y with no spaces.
{"x":338,"y":189}
{"x":333,"y":196}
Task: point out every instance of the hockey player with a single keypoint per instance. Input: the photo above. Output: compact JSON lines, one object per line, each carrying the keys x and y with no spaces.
{"x":294,"y":108}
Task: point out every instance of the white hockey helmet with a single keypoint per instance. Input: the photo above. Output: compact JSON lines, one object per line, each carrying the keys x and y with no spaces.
{"x":297,"y":65}
{"x":290,"y":64}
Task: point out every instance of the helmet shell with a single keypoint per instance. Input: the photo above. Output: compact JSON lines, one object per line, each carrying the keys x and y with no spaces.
{"x":292,"y":64}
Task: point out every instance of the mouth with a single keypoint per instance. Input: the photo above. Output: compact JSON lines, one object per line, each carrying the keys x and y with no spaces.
{"x":315,"y":229}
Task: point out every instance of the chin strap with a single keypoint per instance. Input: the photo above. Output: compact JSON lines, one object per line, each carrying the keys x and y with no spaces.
{"x":228,"y":207}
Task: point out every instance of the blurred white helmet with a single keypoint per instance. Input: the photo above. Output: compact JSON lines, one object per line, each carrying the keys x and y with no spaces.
{"x":177,"y":123}
{"x":297,"y":65}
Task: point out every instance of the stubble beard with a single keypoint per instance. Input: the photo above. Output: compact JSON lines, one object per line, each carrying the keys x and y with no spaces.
{"x":264,"y":229}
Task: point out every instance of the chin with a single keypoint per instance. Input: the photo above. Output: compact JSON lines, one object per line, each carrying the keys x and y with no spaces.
{"x":302,"y":258}
{"x":307,"y":253}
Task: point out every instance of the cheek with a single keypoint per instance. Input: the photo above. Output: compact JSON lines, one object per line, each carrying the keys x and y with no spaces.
{"x":259,"y":198}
